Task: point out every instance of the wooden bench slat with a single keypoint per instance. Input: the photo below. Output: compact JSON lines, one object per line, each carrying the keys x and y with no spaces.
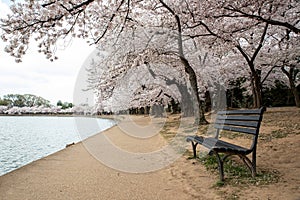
{"x":218,"y":145}
{"x":234,"y":112}
{"x":242,"y":121}
{"x":239,"y":118}
{"x":253,"y":124}
{"x":236,"y":129}
{"x":222,"y":146}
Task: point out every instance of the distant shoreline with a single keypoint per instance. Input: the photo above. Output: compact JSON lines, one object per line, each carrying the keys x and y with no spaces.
{"x":57,"y":115}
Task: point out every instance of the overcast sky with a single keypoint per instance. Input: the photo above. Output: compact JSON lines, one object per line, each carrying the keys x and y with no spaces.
{"x":36,"y":75}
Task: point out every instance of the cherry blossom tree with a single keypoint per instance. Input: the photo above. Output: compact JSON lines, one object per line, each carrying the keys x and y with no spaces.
{"x":246,"y":26}
{"x":100,"y":21}
{"x":223,"y":27}
{"x":3,"y":109}
{"x":282,"y":51}
{"x":45,"y":110}
{"x":147,"y":70}
{"x":287,"y":60}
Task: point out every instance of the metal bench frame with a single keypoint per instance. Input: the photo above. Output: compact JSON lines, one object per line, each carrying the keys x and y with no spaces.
{"x":241,"y":121}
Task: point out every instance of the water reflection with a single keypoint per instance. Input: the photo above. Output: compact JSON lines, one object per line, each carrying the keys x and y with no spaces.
{"x":26,"y":139}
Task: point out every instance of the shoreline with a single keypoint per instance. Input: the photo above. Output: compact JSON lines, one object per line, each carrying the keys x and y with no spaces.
{"x":10,"y":166}
{"x":55,"y":115}
{"x":74,"y":173}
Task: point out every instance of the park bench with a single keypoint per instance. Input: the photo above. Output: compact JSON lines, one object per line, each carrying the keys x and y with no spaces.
{"x":241,"y":121}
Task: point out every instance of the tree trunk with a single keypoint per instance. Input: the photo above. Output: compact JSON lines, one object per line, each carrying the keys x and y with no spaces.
{"x":255,"y":73}
{"x":186,"y":100}
{"x":296,"y":95}
{"x":256,"y":90}
{"x":191,"y":105}
{"x":199,"y":105}
{"x":290,"y":75}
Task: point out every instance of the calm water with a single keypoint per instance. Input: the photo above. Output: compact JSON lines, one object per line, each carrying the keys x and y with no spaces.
{"x":26,"y":139}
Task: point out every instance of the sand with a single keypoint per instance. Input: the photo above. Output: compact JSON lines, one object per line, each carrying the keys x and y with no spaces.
{"x":74,"y":173}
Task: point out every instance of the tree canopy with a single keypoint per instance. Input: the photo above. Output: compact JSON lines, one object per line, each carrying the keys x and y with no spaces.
{"x":208,"y":43}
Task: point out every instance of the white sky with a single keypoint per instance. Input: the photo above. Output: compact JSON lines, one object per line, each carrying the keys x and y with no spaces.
{"x":36,"y":75}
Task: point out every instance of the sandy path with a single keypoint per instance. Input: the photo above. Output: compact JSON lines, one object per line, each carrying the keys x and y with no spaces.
{"x":74,"y":173}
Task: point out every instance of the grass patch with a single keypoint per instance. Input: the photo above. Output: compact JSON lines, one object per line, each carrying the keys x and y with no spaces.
{"x":287,"y":121}
{"x":192,"y":130}
{"x":203,"y":129}
{"x":279,"y":134}
{"x":276,"y":134}
{"x":237,"y":174}
{"x":232,"y":135}
{"x":173,"y":126}
{"x":168,"y":129}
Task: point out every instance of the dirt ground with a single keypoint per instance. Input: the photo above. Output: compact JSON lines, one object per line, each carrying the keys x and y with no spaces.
{"x":278,"y":150}
{"x":277,"y":154}
{"x":74,"y":173}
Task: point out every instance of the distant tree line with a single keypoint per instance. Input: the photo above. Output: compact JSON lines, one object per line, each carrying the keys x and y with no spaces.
{"x":277,"y":95}
{"x":236,"y":97}
{"x":29,"y":100}
{"x":28,"y":104}
{"x":64,"y":105}
{"x":25,"y":100}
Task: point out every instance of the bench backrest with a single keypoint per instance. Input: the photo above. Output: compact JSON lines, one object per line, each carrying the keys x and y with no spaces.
{"x":242,"y":121}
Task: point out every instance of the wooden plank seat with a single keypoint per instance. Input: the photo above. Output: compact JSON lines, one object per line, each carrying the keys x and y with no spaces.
{"x":241,"y":121}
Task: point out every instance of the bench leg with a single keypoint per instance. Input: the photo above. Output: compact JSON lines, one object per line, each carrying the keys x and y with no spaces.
{"x":249,"y":164}
{"x":221,"y":167}
{"x":221,"y":161}
{"x":254,"y":161}
{"x":194,"y":145}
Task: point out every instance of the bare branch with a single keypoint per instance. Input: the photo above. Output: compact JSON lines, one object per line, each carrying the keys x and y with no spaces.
{"x":262,"y":38}
{"x":125,"y":19}
{"x":199,"y":35}
{"x":108,"y":23}
{"x":245,"y":56}
{"x":267,"y":75}
{"x":268,"y":21}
